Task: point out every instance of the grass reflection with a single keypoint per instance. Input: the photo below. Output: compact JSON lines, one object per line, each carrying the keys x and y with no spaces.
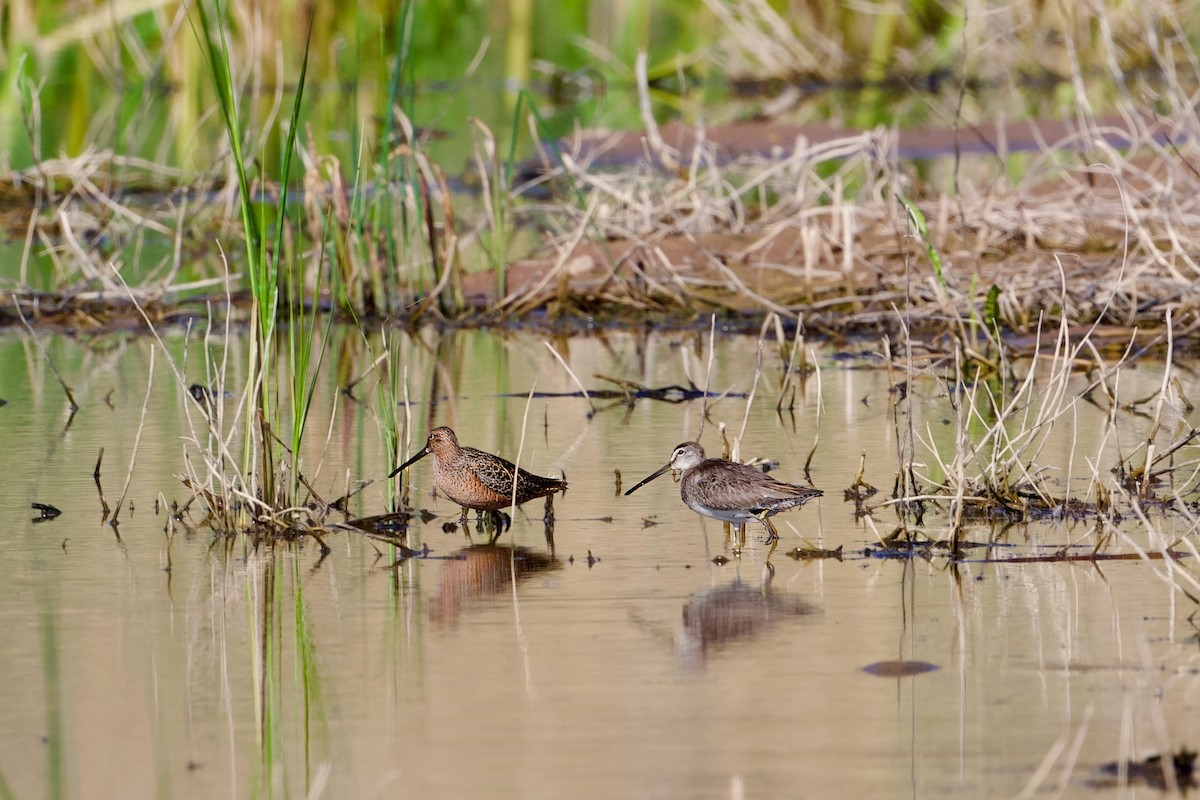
{"x":289,"y":705}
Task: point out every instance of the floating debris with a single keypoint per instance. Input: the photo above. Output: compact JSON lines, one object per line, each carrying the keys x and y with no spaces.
{"x":899,"y":668}
{"x":388,"y":527}
{"x":811,"y":553}
{"x":206,"y":395}
{"x":1151,"y":771}
{"x":48,"y":512}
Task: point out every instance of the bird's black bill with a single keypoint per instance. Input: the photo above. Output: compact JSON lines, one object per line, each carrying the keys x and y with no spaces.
{"x":426,"y":451}
{"x":648,"y":478}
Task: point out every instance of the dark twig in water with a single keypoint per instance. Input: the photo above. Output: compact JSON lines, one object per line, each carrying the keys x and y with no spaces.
{"x":340,"y":503}
{"x":674,"y":393}
{"x":313,"y":492}
{"x":1153,"y":555}
{"x":99,"y":489}
{"x":391,"y":528}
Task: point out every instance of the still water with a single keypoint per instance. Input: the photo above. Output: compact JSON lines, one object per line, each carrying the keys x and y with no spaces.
{"x":620,"y":660}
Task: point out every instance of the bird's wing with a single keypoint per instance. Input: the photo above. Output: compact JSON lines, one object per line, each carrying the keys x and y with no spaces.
{"x":494,"y":472}
{"x":749,"y":482}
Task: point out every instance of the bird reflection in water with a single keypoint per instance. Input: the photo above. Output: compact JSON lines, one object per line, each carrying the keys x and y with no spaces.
{"x":475,"y":575}
{"x":739,"y":611}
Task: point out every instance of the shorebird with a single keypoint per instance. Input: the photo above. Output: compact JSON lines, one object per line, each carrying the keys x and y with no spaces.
{"x":477,"y":480}
{"x":728,"y":491}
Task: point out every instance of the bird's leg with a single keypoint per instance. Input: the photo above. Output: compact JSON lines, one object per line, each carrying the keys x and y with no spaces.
{"x":771,"y":550}
{"x":773,"y":535}
{"x":548,"y":521}
{"x":739,"y":538}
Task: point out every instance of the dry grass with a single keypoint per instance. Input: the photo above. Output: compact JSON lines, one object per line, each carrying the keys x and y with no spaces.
{"x":1011,"y":456}
{"x":818,"y":231}
{"x":991,"y":42}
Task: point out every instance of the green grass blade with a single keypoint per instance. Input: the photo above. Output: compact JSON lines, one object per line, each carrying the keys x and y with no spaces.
{"x":922,"y":227}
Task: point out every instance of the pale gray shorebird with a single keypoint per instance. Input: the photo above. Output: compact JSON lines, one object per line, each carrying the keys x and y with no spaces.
{"x":728,"y":491}
{"x":479,"y":480}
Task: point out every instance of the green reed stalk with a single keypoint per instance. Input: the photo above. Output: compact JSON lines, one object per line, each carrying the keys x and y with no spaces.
{"x":303,"y":363}
{"x":402,"y":80}
{"x":214,"y":46}
{"x":388,"y":391}
{"x":922,"y":228}
{"x":262,"y":265}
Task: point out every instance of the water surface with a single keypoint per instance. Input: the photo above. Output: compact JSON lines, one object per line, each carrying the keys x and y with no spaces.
{"x":164,"y":659}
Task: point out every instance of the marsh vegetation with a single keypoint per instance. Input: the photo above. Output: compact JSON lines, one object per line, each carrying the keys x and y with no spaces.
{"x":939,"y":263}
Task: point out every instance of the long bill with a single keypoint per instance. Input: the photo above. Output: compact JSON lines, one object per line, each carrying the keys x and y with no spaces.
{"x":649,"y":478}
{"x":421,"y":454}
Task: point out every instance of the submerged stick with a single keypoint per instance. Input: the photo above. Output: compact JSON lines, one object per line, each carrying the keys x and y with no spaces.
{"x":99,"y":489}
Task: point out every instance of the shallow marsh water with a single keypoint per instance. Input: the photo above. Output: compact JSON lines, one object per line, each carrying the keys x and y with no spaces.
{"x":166,"y":661}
